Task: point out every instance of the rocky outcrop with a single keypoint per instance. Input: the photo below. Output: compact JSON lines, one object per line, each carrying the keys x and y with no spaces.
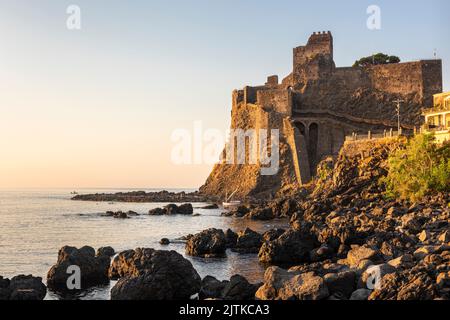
{"x":142,"y":196}
{"x":148,"y":274}
{"x":93,"y":269}
{"x":208,"y":243}
{"x":171,"y":209}
{"x":22,"y":287}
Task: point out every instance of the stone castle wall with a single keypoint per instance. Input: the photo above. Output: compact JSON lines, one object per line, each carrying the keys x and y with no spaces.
{"x":318,"y":105}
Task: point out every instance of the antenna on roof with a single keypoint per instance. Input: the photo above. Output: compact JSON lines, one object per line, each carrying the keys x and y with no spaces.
{"x":435,"y":53}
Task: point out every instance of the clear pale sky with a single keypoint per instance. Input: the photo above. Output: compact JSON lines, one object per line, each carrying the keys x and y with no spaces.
{"x":96,"y":107}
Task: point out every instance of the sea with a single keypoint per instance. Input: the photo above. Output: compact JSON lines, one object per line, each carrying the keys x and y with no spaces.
{"x":36,"y":223}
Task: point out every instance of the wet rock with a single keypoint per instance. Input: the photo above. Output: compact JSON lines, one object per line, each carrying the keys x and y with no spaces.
{"x":361,"y":295}
{"x":173,"y":209}
{"x":22,"y":288}
{"x":291,"y":248}
{"x":280,"y":284}
{"x":148,"y":274}
{"x":248,"y":241}
{"x":231,"y":238}
{"x":238,"y":288}
{"x":27,"y":288}
{"x":157,"y":212}
{"x":342,"y":283}
{"x":185,"y":209}
{"x":208,"y":243}
{"x":262,"y":214}
{"x":210,"y":207}
{"x":106,"y":251}
{"x":5,"y":291}
{"x":211,"y":288}
{"x":164,"y":242}
{"x":120,"y":215}
{"x":93,"y":269}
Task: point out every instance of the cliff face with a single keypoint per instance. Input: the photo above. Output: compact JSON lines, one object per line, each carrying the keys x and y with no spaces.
{"x":315,"y":108}
{"x":247,"y":178}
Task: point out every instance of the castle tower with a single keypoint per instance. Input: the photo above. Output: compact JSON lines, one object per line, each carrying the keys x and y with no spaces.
{"x":315,"y":60}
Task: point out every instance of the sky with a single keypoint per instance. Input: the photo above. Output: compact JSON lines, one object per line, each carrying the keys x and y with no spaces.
{"x":96,"y":107}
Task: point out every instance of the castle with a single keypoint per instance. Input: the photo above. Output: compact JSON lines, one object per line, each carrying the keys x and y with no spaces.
{"x":318,"y":105}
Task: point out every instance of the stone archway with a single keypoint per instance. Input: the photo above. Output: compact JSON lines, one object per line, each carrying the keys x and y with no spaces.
{"x":301,"y":128}
{"x":313,"y":141}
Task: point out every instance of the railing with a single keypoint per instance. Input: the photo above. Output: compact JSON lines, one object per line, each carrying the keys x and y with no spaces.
{"x":377,"y":135}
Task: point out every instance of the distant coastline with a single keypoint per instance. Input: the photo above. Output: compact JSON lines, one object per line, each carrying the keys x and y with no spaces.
{"x":149,"y":197}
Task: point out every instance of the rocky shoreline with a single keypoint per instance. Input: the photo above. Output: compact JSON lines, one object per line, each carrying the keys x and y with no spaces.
{"x":345,"y":241}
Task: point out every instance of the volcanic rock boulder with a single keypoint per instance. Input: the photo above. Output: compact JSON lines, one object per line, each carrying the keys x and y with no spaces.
{"x":211,"y":288}
{"x":342,"y":283}
{"x":148,"y":274}
{"x":238,"y":288}
{"x":231,"y":237}
{"x":208,"y":243}
{"x":291,"y":248}
{"x":93,"y":269}
{"x":5,"y":291}
{"x":22,"y":288}
{"x":280,"y":284}
{"x":171,"y":209}
{"x":106,"y":251}
{"x":358,"y":254}
{"x":248,"y":241}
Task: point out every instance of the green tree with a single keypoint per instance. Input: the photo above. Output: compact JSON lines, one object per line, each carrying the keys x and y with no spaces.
{"x":377,"y":59}
{"x":418,"y":169}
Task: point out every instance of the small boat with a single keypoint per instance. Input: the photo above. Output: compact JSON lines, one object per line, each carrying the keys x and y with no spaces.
{"x":74,"y":192}
{"x":230,"y":205}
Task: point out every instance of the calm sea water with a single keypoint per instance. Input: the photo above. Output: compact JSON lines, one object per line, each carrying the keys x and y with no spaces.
{"x":35,"y":224}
